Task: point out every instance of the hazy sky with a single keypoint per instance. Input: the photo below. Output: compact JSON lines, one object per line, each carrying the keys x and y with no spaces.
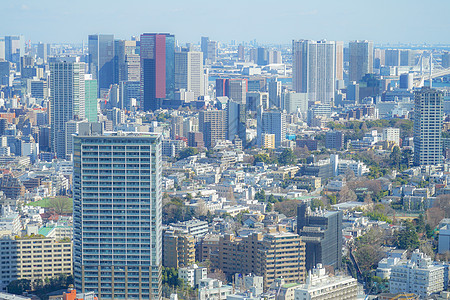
{"x":267,"y":21}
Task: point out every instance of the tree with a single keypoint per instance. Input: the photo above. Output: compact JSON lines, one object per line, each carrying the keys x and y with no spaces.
{"x":18,"y":287}
{"x":60,"y":204}
{"x":287,"y":207}
{"x":260,"y":196}
{"x":287,"y":157}
{"x":408,"y":238}
{"x":190,"y":151}
{"x":395,"y":157}
{"x":269,"y":207}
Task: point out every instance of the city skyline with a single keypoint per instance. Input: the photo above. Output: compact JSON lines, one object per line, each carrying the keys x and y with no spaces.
{"x":346,"y":20}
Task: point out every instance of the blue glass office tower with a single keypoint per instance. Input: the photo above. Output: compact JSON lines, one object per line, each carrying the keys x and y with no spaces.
{"x":117,"y":215}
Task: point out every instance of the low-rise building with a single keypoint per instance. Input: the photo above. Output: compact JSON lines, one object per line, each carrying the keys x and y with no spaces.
{"x":213,"y":289}
{"x":33,"y":259}
{"x":192,"y":274}
{"x":319,"y":285}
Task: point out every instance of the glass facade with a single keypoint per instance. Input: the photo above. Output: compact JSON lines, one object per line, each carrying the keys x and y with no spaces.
{"x":117,"y":216}
{"x":90,"y":101}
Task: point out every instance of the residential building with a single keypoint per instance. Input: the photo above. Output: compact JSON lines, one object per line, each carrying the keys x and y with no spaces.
{"x":313,"y":69}
{"x":319,"y":285}
{"x":192,"y":274}
{"x":90,"y":98}
{"x":213,"y":289}
{"x":67,"y":100}
{"x":444,"y":236}
{"x":271,"y":255}
{"x":178,"y":249}
{"x":391,"y":134}
{"x":321,"y":231}
{"x":194,"y":227}
{"x":117,"y":235}
{"x":428,"y":126}
{"x":213,"y":125}
{"x":34,"y":259}
{"x":419,"y":276}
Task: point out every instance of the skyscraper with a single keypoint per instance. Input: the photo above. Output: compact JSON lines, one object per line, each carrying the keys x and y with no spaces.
{"x":43,"y":51}
{"x":157,"y":52}
{"x":189,"y":72}
{"x":90,"y":99}
{"x":117,"y":216}
{"x":361,"y":59}
{"x":14,"y":48}
{"x":428,"y":127}
{"x":235,"y":89}
{"x":67,"y":99}
{"x":314,"y":69}
{"x":271,"y":122}
{"x":322,"y":233}
{"x":236,"y":121}
{"x":209,"y":49}
{"x":275,"y":93}
{"x":101,"y":60}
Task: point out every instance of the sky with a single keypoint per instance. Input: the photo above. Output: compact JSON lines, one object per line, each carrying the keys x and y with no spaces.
{"x":269,"y":22}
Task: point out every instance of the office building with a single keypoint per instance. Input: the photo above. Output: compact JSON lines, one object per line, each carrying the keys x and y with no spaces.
{"x":117,"y":216}
{"x":322,"y":233}
{"x":178,"y":249}
{"x":406,"y":81}
{"x":257,"y":99}
{"x":130,"y":94}
{"x":209,"y":49}
{"x":157,"y":53}
{"x":14,"y":48}
{"x":334,"y":140}
{"x":189,"y":73}
{"x":101,"y":60}
{"x":213,"y":125}
{"x":2,"y":48}
{"x":295,"y":102}
{"x":90,"y":98}
{"x":234,"y":89}
{"x":407,"y":57}
{"x":392,"y":57}
{"x":419,"y":275}
{"x":43,"y":50}
{"x":48,"y":258}
{"x":444,"y":236}
{"x":314,"y":69}
{"x":320,"y":285}
{"x":236,"y":121}
{"x":428,"y":106}
{"x":361,"y":59}
{"x":275,"y":94}
{"x":67,"y":99}
{"x":272,"y":122}
{"x":195,"y":139}
{"x":241,"y":53}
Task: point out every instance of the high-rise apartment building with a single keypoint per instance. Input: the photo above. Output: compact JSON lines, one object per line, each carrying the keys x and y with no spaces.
{"x":67,"y":99}
{"x":117,"y":215}
{"x":339,"y":60}
{"x":157,"y":53}
{"x":322,"y":233}
{"x":213,"y":125}
{"x":189,"y":73}
{"x":334,"y":140}
{"x":428,"y":127}
{"x":361,"y":59}
{"x":314,"y":69}
{"x":101,"y":60}
{"x":272,"y":122}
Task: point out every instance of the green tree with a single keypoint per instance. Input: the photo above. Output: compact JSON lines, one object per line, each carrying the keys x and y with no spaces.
{"x":269,"y":207}
{"x":19,"y":286}
{"x":272,"y":199}
{"x":395,"y":157}
{"x":187,"y":152}
{"x":408,"y":238}
{"x":287,"y":157}
{"x":260,"y":196}
{"x":316,"y":203}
